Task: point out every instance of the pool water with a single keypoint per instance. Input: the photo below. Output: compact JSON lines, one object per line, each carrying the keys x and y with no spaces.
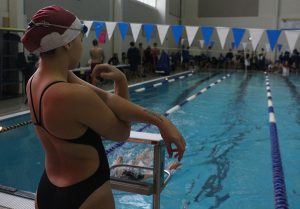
{"x":227,"y":163}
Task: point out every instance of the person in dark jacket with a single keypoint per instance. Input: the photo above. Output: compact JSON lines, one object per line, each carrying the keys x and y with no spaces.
{"x":133,"y":56}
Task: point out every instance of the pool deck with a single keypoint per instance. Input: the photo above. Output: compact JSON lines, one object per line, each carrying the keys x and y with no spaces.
{"x":9,"y":201}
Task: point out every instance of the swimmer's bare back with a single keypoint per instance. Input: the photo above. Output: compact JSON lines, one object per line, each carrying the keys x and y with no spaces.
{"x":97,"y":55}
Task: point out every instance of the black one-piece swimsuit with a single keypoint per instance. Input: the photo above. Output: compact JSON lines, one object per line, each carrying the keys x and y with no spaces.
{"x":50,"y":196}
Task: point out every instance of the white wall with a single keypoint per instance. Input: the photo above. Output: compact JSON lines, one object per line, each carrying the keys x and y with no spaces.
{"x":266,"y":18}
{"x":12,"y":9}
{"x":84,"y":9}
{"x":290,"y":9}
{"x":138,"y":12}
{"x":3,"y":10}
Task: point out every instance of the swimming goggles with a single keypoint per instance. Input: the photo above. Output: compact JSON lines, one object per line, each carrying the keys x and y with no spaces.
{"x":33,"y":24}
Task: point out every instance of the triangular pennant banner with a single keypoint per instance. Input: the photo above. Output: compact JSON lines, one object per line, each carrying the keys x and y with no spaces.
{"x":255,"y":35}
{"x":201,"y":43}
{"x":232,"y":45}
{"x":182,"y":41}
{"x":177,"y":32}
{"x":98,"y":28}
{"x":88,"y":24}
{"x":110,"y":27}
{"x":292,"y":37}
{"x":268,"y":49}
{"x":135,"y":28}
{"x":123,"y":27}
{"x":162,"y":32}
{"x":102,"y":37}
{"x":207,"y":33}
{"x":148,"y":28}
{"x":273,"y":36}
{"x":244,"y":44}
{"x":279,"y":46}
{"x":238,"y":34}
{"x":191,"y":32}
{"x":222,"y":33}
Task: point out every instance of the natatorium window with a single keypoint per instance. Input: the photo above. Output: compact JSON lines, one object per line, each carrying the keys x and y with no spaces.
{"x":149,"y":2}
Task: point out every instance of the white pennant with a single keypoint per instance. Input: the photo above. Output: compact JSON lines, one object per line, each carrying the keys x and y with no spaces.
{"x":268,"y":47}
{"x":201,"y":43}
{"x":244,"y":45}
{"x":88,"y":24}
{"x":222,"y":33}
{"x":292,"y":37}
{"x":162,"y":32}
{"x":191,"y":32}
{"x":182,"y":41}
{"x":135,"y":28}
{"x":255,"y":35}
{"x":110,"y":27}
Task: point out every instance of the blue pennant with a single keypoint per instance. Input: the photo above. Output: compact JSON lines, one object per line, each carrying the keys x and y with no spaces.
{"x":98,"y":28}
{"x":177,"y":32}
{"x":207,"y":33}
{"x":148,"y":28}
{"x":273,"y":36}
{"x":123,"y":27}
{"x":238,"y":34}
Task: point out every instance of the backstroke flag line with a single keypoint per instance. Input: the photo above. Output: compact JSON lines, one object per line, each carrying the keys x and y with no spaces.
{"x":135,"y":28}
{"x":162,"y":32}
{"x":292,"y":37}
{"x":88,"y":24}
{"x":222,"y":33}
{"x":191,"y":32}
{"x":255,"y":35}
{"x":238,"y":34}
{"x":110,"y":27}
{"x":177,"y":32}
{"x":273,"y":36}
{"x":207,"y":33}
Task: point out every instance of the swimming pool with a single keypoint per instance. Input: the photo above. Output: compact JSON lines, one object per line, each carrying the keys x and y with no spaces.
{"x":227,"y":163}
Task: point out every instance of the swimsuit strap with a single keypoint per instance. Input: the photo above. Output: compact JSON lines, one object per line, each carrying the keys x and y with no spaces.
{"x":39,"y":120}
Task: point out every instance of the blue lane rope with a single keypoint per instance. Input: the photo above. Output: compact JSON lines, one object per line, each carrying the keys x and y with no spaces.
{"x":281,"y":201}
{"x":166,"y":80}
{"x":170,"y":111}
{"x":161,"y":82}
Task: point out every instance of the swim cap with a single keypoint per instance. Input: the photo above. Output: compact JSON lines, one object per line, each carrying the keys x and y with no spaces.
{"x":51,"y":27}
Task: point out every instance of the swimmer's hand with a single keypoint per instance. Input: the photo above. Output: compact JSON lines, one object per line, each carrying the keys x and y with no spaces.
{"x":171,"y":135}
{"x":108,"y":72}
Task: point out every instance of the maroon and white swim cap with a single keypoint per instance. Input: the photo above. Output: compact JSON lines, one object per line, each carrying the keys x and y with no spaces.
{"x":51,"y":27}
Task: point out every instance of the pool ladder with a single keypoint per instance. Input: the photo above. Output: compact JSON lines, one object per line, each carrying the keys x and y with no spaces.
{"x":161,"y":177}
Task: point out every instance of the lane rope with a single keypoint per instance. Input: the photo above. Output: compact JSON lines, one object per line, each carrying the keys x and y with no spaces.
{"x":281,"y":201}
{"x":12,"y":127}
{"x":170,"y":111}
{"x":167,"y":80}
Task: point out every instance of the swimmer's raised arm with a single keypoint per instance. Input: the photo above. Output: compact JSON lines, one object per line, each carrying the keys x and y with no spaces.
{"x":130,"y":112}
{"x":106,"y":72}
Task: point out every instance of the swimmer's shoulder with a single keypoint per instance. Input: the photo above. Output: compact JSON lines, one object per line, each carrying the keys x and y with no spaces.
{"x":69,"y":93}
